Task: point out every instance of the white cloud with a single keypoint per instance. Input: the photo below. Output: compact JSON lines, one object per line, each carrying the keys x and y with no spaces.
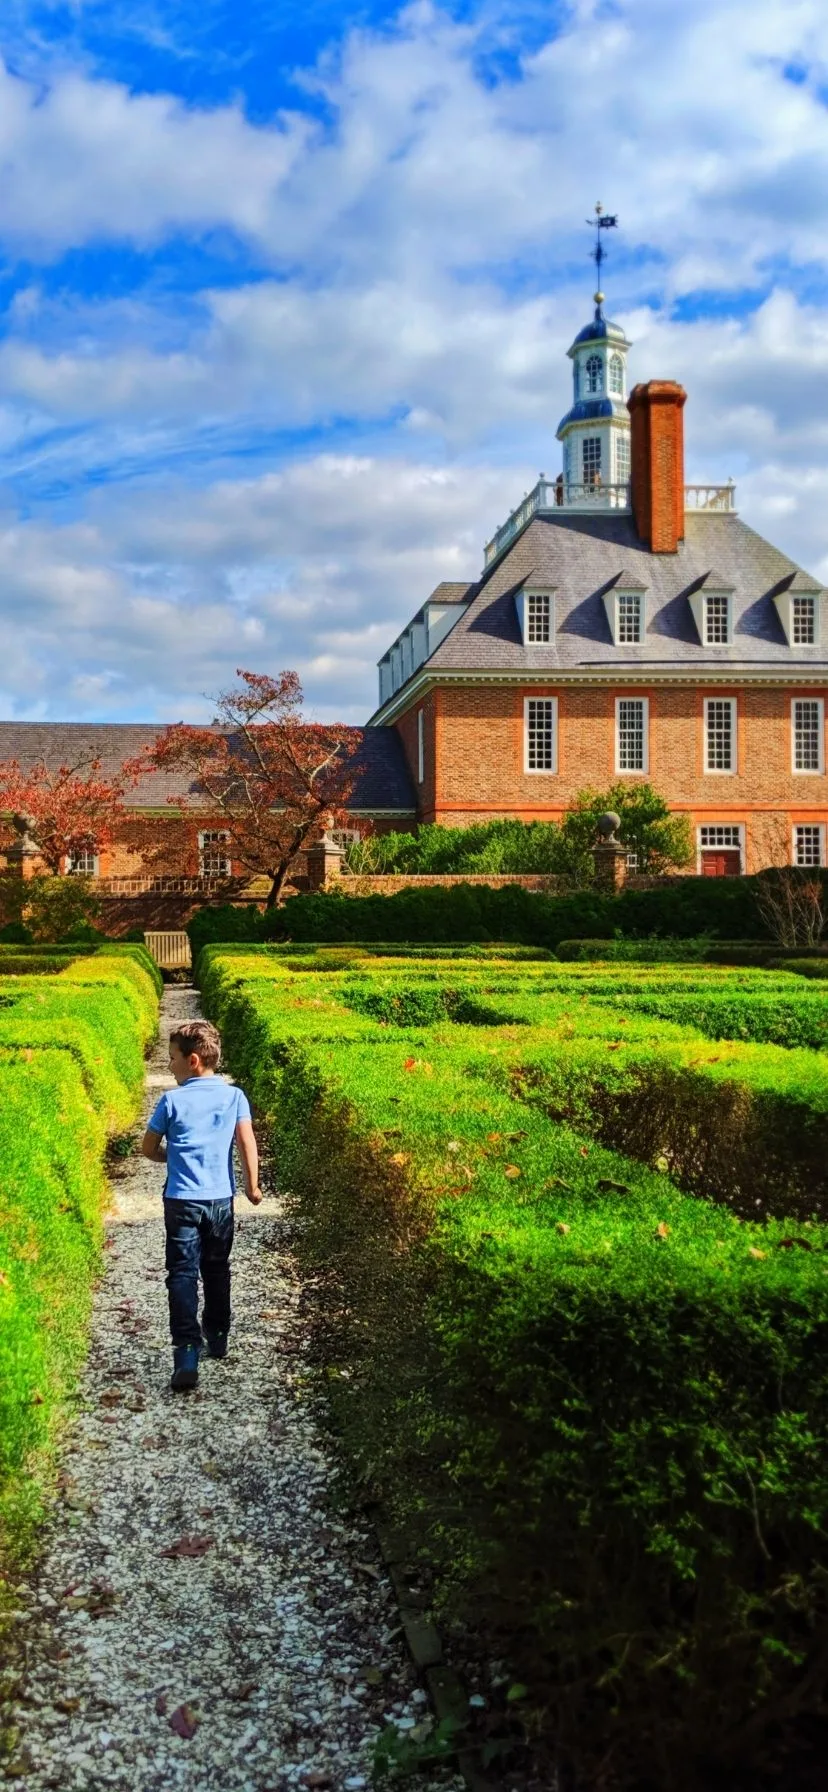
{"x":426,"y":266}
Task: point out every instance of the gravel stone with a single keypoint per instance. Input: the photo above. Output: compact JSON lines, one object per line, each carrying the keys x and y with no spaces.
{"x":259,"y":1646}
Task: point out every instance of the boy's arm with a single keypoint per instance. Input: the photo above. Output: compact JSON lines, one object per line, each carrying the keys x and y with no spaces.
{"x":249,"y":1154}
{"x":153,"y":1146}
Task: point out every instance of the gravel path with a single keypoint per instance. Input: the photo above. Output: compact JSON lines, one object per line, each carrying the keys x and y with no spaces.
{"x":266,"y":1654}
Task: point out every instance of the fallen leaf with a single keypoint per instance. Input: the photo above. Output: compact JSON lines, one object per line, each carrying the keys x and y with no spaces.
{"x":161,"y":1704}
{"x":562,"y":1227}
{"x":410,"y":1064}
{"x":614,"y":1045}
{"x":584,"y":1151}
{"x":184,"y":1722}
{"x":67,"y":1705}
{"x":662,"y":1163}
{"x":494,"y":1136}
{"x":189,"y":1546}
{"x":400,"y":1158}
{"x":662,"y":1230}
{"x":36,"y":1397}
{"x":512,"y":1171}
{"x":317,"y":1778}
{"x":753,"y":1252}
{"x":453,"y":1145}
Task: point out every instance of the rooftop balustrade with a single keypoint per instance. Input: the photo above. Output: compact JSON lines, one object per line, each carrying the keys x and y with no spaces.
{"x":563,"y":496}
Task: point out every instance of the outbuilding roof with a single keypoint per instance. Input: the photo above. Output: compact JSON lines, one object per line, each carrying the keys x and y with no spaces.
{"x":383,"y":781}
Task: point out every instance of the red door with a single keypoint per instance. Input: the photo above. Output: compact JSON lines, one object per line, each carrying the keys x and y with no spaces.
{"x":721,"y":861}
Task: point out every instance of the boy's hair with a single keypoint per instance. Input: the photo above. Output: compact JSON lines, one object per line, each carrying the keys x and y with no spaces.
{"x":198,"y":1036}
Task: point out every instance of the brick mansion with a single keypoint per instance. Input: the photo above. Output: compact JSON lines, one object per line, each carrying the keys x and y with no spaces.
{"x":624,"y":626}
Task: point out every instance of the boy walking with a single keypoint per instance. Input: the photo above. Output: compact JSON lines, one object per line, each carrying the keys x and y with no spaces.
{"x":192,"y":1130}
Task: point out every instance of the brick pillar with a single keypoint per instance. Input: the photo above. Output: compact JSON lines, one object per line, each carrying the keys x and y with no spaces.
{"x":657,"y":463}
{"x":324,"y":863}
{"x":610,"y":861}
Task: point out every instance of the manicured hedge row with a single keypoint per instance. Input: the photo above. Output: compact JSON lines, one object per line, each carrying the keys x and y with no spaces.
{"x":686,"y":908}
{"x":71,"y":1074}
{"x":594,"y":1403}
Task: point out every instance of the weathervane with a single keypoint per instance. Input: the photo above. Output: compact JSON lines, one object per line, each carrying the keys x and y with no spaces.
{"x":599,"y":223}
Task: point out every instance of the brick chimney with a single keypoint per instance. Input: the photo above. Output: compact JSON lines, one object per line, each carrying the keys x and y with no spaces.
{"x":657,"y":463}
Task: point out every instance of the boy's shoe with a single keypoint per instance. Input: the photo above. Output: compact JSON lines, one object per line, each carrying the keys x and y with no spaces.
{"x":185,"y":1367}
{"x":216,"y":1343}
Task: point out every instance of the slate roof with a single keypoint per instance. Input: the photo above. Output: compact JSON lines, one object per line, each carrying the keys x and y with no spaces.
{"x":583,"y":556}
{"x":383,"y":780}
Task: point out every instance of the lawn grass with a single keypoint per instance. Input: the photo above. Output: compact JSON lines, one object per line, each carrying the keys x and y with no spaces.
{"x":592,"y":1399}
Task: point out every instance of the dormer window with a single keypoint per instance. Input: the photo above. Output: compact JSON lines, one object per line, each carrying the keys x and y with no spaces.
{"x":536,"y":616}
{"x":803,"y":621}
{"x":629,"y":616}
{"x":616,"y":375}
{"x":594,"y":374}
{"x":624,"y":604}
{"x":716,"y":619}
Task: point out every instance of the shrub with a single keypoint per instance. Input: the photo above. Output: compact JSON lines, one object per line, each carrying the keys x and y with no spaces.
{"x":593,"y":1402}
{"x":71,"y":1072}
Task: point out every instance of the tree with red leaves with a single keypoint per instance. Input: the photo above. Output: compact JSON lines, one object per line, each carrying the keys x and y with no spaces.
{"x":273,"y":780}
{"x":64,"y":810}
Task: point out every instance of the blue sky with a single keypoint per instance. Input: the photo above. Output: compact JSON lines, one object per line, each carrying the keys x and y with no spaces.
{"x":285,"y":294}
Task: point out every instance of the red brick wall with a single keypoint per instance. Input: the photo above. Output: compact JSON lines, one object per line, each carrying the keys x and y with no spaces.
{"x":426,"y":793}
{"x":479,"y":759}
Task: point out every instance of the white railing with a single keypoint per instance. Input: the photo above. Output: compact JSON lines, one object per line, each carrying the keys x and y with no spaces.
{"x":710,"y":497}
{"x":556,"y":494}
{"x":171,"y":951}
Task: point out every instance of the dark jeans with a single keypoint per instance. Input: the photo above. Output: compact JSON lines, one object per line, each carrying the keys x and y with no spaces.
{"x":199,"y":1238}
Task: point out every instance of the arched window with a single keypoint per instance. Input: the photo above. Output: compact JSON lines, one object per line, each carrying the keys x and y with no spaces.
{"x":594,"y":374}
{"x":616,"y":374}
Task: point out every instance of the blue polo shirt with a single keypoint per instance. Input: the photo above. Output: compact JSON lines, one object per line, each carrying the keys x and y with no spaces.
{"x":198,"y":1119}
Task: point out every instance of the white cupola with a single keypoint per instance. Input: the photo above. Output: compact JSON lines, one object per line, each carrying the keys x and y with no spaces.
{"x":596,"y":430}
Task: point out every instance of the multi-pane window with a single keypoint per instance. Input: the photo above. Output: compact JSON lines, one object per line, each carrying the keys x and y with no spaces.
{"x":716,"y":620}
{"x":83,"y":862}
{"x":592,"y":459}
{"x":720,"y":734}
{"x":345,"y":837}
{"x":808,"y":844}
{"x":807,"y":734}
{"x":622,"y":458}
{"x":616,"y":374}
{"x":631,"y":734}
{"x":213,"y":858}
{"x":420,"y":746}
{"x":803,"y":621}
{"x":629,"y":616}
{"x":540,"y":725}
{"x":538,"y":616}
{"x":721,"y":835}
{"x":594,"y":374}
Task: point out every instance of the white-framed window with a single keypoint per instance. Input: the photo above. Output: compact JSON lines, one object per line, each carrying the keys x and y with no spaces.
{"x":540,"y":733}
{"x":82,"y":863}
{"x":594,"y":372}
{"x":803,"y":621}
{"x":538,"y":616}
{"x":345,"y":837}
{"x":622,"y":458}
{"x":591,"y":459}
{"x":720,"y":734}
{"x":807,"y":734}
{"x":631,"y":718}
{"x":716,"y":619}
{"x":629,"y":616}
{"x":809,"y":844}
{"x":616,"y":374}
{"x":420,"y":746}
{"x":213,"y":856}
{"x":632,"y":862}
